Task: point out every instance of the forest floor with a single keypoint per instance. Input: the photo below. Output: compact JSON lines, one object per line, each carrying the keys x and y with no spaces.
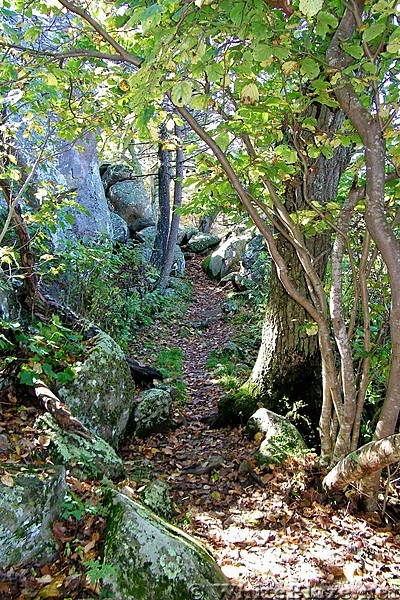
{"x":272,"y":531}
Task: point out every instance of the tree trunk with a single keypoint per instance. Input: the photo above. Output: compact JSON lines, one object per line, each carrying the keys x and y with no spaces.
{"x":173,"y":234}
{"x":163,"y":223}
{"x":287,"y":372}
{"x":365,"y":461}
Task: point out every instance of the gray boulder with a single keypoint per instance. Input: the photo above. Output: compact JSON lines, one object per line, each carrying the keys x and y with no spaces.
{"x":153,"y":412}
{"x":72,"y":168}
{"x":227,"y":257}
{"x":130,"y":201}
{"x":29,"y":503}
{"x":185,"y":233}
{"x":147,"y":236}
{"x":120,"y":229}
{"x":202,"y":242}
{"x":101,"y":396}
{"x":85,"y":459}
{"x":157,"y":496}
{"x":178,"y":266}
{"x":8,"y":300}
{"x":153,"y":560}
{"x":281,"y":440}
{"x":90,"y":195}
{"x":115,"y":174}
{"x":256,"y":262}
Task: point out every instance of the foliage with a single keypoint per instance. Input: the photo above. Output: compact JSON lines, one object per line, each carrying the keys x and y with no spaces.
{"x":170,"y":362}
{"x":41,"y":350}
{"x":231,"y":364}
{"x":77,"y":507}
{"x":110,"y":287}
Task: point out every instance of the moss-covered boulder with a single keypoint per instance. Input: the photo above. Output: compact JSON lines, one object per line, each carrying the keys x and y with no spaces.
{"x":29,"y":503}
{"x":85,"y":459}
{"x":153,"y":560}
{"x":202,"y":242}
{"x":101,"y":396}
{"x":153,"y":412}
{"x":157,"y":496}
{"x":281,"y":437}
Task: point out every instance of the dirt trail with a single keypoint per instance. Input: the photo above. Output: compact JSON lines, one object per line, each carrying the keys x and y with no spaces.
{"x":278,"y":537}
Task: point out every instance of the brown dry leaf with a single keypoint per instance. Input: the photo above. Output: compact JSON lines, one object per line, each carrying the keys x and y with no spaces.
{"x":351,"y":570}
{"x":92,"y":543}
{"x":44,"y":440}
{"x":52,"y":590}
{"x":7,"y":479}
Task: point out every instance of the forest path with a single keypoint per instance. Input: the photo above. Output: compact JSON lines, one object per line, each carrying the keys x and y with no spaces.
{"x":202,"y":329}
{"x":273,"y":532}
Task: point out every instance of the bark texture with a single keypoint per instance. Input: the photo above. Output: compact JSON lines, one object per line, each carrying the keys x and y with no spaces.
{"x":288,"y":368}
{"x":365,"y":461}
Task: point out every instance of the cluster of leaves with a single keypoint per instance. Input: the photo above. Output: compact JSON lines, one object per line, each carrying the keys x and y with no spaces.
{"x":231,"y":364}
{"x":110,"y":286}
{"x":40,"y":350}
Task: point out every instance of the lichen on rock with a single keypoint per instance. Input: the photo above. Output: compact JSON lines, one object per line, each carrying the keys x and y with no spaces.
{"x":281,"y":440}
{"x":157,"y":496}
{"x":28,"y":506}
{"x":153,"y":560}
{"x":101,"y":396}
{"x":92,"y":459}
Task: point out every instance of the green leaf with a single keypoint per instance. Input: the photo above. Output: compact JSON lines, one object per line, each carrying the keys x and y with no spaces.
{"x":373,"y":31}
{"x":263,"y":53}
{"x":181,"y":93}
{"x":48,"y":370}
{"x":151,"y":11}
{"x":223,"y":140}
{"x":70,"y":218}
{"x":26,"y":377}
{"x":237,"y":13}
{"x":310,"y":7}
{"x":310,"y":68}
{"x":325,"y":22}
{"x":394,"y":42}
{"x":200,"y":101}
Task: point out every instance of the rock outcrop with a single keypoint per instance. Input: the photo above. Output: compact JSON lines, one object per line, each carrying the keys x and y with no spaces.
{"x":153,"y":560}
{"x":281,"y":440}
{"x":153,"y":412}
{"x":84,"y":458}
{"x":101,"y":396}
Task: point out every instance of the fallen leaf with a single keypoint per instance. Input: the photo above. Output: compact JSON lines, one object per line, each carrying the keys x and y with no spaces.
{"x":7,"y":479}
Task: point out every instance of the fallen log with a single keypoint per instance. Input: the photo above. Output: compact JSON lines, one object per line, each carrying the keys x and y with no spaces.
{"x":143,"y":373}
{"x":60,"y":411}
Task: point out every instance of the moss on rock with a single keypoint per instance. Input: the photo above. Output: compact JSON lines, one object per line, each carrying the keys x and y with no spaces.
{"x":282,"y":439}
{"x":84,"y":458}
{"x":153,"y":560}
{"x":28,"y":507}
{"x":101,"y":396}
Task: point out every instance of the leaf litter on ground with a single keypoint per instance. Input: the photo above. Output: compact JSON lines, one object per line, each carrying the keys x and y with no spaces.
{"x":272,"y":531}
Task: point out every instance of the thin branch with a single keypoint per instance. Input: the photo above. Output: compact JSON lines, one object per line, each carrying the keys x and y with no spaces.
{"x":125,"y":55}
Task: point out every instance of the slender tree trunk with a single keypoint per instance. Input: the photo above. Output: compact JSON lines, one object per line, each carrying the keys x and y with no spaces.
{"x":369,"y":128}
{"x":173,"y":234}
{"x":164,"y":214}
